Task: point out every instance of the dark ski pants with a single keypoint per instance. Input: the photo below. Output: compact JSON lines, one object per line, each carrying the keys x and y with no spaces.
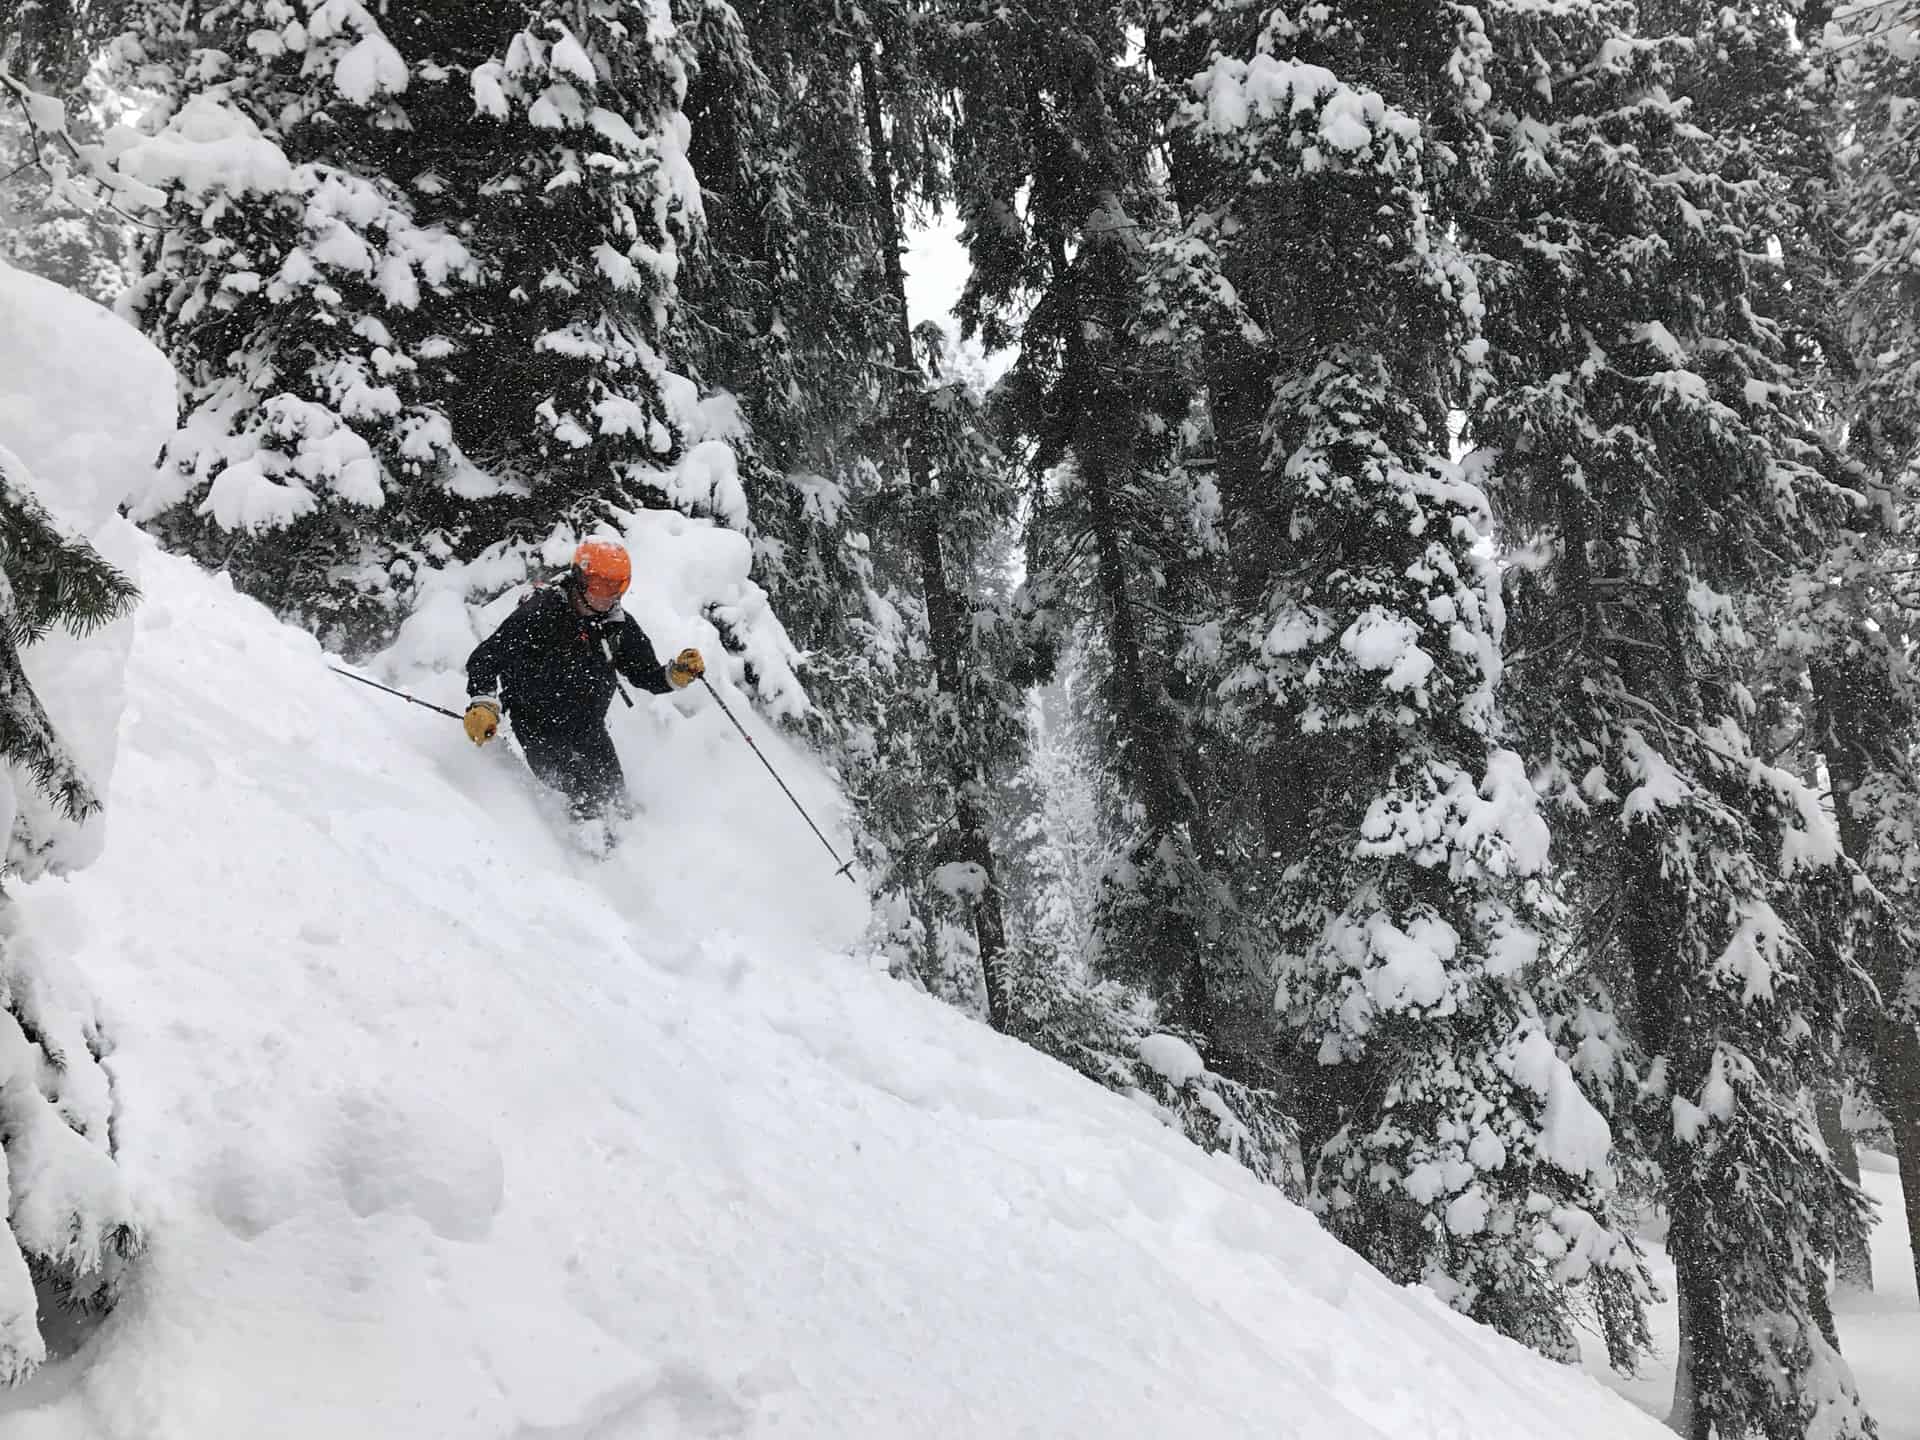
{"x":580,"y":763}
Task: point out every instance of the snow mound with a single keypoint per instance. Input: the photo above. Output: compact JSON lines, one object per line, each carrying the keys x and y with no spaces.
{"x":85,"y":404}
{"x":446,"y":1131}
{"x":85,"y":400}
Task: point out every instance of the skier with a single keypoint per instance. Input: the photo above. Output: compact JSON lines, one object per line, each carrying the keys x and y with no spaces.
{"x":553,"y":666}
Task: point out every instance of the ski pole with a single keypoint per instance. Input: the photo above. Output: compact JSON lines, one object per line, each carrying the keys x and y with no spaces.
{"x":410,"y":699}
{"x":606,"y":649}
{"x":846,"y":868}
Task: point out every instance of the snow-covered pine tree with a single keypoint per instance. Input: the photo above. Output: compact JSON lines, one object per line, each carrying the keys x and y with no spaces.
{"x":888,"y":518}
{"x":955,"y":687}
{"x":1055,"y":180}
{"x":1860,"y":720}
{"x":785,"y":302}
{"x":1763,"y":105}
{"x":952,"y":516}
{"x":1449,"y":1138}
{"x":43,"y":237}
{"x":49,"y":225}
{"x":68,"y":1225}
{"x":1770,"y":108}
{"x":1656,"y":480}
{"x":40,"y":232}
{"x":1863,"y":681}
{"x":1048,"y":825}
{"x":1877,"y":69}
{"x":418,"y":280}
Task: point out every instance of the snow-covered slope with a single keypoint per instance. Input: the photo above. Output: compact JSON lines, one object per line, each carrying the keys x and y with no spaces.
{"x":442,"y":1131}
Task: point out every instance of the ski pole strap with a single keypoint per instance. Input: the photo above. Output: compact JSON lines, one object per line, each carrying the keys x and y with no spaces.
{"x":845,"y":867}
{"x":400,"y":694}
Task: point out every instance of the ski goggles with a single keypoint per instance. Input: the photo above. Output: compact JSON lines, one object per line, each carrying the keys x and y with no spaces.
{"x":602,"y":594}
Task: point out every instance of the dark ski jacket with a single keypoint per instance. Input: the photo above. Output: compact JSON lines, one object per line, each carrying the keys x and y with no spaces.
{"x":553,"y":669}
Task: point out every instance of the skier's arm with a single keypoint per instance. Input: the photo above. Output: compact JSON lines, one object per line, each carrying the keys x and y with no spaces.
{"x":634,"y":659}
{"x":494,"y":656}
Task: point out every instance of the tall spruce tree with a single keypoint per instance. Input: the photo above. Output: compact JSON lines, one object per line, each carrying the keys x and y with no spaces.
{"x":1862,"y":712}
{"x":785,"y":303}
{"x":1449,"y":1137}
{"x":1653,"y":477}
{"x":419,"y":279}
{"x":1873,"y":56}
{"x":1058,"y":191}
{"x":1863,"y":680}
{"x":953,"y":511}
{"x":1765,"y":104}
{"x":1761,"y":105}
{"x":789,"y":302}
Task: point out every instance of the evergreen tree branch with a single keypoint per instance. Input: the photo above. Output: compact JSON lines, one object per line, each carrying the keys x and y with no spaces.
{"x":54,"y":578}
{"x":28,"y":739}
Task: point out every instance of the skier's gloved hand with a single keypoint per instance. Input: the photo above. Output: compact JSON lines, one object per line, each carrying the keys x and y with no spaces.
{"x":686,"y":668}
{"x":482,"y":720}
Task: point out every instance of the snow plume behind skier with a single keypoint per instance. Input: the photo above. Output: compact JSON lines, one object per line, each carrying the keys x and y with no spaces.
{"x":553,"y":667}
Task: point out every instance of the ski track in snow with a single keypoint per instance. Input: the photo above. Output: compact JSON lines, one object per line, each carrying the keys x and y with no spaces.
{"x":442,"y":1130}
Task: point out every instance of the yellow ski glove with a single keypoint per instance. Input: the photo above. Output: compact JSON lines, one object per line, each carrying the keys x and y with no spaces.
{"x":483,"y":719}
{"x":686,"y":668}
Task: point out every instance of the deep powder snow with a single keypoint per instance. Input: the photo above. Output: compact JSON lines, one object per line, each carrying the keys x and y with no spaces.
{"x":442,"y":1130}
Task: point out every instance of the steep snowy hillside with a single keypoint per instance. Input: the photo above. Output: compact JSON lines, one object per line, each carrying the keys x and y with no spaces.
{"x":442,"y":1131}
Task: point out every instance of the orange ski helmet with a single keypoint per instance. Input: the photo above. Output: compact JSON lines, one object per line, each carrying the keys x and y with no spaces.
{"x":604,"y":569}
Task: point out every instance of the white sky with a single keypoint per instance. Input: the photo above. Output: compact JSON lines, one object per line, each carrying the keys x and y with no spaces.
{"x":936,"y":266}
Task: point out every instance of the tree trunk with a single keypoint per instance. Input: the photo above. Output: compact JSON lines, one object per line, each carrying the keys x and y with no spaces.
{"x":1853,"y":1265}
{"x":1686,"y":1413}
{"x":1159,"y":767}
{"x":1238,"y":381}
{"x":1236,"y":377}
{"x":943,"y":613}
{"x":1653,"y":912}
{"x":1168,"y":798}
{"x":1702,"y":1345}
{"x":1649,"y":920}
{"x":1897,"y":1072}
